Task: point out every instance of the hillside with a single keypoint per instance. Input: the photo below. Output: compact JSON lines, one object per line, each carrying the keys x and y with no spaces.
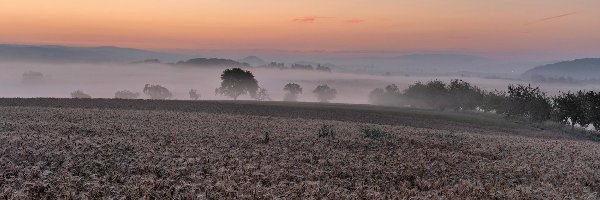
{"x":211,"y":62}
{"x":580,"y":69}
{"x":253,"y":61}
{"x":66,"y":54}
{"x":101,"y":148}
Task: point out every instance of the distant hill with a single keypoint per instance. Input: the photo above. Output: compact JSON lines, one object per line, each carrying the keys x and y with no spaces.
{"x":66,"y":54}
{"x":440,"y":58}
{"x":580,"y":69}
{"x":253,"y":61}
{"x":434,"y":63}
{"x":211,"y":62}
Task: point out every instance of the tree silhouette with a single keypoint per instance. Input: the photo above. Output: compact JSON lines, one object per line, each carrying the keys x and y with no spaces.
{"x":293,"y":90}
{"x":236,"y":82}
{"x":157,"y":92}
{"x":573,"y":107}
{"x":194,"y":95}
{"x":324,"y":93}
{"x":528,"y":102}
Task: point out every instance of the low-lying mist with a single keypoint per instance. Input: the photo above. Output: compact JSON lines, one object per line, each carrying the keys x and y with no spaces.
{"x":102,"y":81}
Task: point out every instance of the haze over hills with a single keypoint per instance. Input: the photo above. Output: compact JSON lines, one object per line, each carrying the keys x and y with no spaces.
{"x":211,"y":62}
{"x":579,"y":69}
{"x":67,"y":54}
{"x":253,"y":61}
{"x":363,"y":62}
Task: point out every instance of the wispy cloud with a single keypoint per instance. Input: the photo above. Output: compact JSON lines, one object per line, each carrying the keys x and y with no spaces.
{"x":354,"y":21}
{"x":309,"y":19}
{"x":552,"y":18}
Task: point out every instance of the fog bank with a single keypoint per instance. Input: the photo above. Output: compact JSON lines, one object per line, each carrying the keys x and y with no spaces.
{"x":103,"y":80}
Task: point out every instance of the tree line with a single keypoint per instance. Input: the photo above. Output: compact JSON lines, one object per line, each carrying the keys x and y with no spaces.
{"x":519,"y":101}
{"x":235,"y":82}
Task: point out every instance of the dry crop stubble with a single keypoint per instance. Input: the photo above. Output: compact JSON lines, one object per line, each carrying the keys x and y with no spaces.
{"x":94,"y":153}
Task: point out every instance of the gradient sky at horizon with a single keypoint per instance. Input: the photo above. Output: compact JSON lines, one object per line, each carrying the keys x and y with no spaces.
{"x":470,"y":26}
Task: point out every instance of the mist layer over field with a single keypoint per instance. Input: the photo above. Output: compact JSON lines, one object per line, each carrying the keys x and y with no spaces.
{"x":102,"y":81}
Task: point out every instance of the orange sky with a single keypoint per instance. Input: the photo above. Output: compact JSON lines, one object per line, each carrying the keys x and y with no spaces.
{"x":478,"y":26}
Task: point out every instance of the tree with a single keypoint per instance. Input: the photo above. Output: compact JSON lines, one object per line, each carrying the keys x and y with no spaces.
{"x":376,"y":96}
{"x":157,"y":92}
{"x":390,"y":96}
{"x":194,"y":95}
{"x":236,"y":82}
{"x":324,"y":93}
{"x":262,"y":95}
{"x":126,"y":94}
{"x":323,"y":68}
{"x":494,"y":101}
{"x":78,"y":94}
{"x":528,"y":102}
{"x":464,"y":96}
{"x":593,"y":112}
{"x":571,"y":108}
{"x":293,"y":90}
{"x":433,"y":94}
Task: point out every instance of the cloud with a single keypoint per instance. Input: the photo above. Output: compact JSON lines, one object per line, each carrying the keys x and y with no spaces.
{"x":309,"y":19}
{"x":552,"y":18}
{"x":354,"y":21}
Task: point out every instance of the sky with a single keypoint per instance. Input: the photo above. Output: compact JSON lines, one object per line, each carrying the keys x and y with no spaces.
{"x":483,"y":27}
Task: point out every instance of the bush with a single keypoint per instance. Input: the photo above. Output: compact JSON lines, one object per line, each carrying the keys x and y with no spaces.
{"x":326,"y":131}
{"x":373,"y":133}
{"x":78,"y":94}
{"x":126,"y":94}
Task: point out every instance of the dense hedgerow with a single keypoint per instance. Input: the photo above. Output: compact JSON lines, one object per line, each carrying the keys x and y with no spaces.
{"x":519,"y":101}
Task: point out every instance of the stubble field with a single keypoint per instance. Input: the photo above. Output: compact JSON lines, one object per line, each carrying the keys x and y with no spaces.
{"x":131,"y":149}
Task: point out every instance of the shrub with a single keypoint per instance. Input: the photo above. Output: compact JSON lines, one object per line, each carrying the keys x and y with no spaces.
{"x":326,"y":131}
{"x":126,"y":94}
{"x":373,"y":133}
{"x":78,"y":94}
